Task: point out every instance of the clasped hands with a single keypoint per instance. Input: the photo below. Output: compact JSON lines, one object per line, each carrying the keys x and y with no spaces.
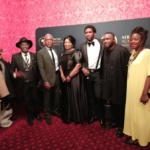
{"x":65,"y":79}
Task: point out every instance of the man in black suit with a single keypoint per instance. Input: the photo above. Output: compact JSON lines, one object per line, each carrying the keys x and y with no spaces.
{"x":92,"y":51}
{"x":24,"y":68}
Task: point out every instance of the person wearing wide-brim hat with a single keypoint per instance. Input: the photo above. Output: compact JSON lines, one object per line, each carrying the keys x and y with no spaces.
{"x":25,"y":64}
{"x":24,"y":40}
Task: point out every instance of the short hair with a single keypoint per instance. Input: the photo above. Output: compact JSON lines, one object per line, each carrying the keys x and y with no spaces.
{"x":91,"y":27}
{"x":71,"y":39}
{"x":110,"y":33}
{"x":48,"y":34}
{"x":142,"y":32}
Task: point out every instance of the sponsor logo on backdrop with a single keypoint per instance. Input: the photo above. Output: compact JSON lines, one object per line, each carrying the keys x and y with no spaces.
{"x":125,"y":40}
{"x":41,"y":40}
{"x":57,"y":41}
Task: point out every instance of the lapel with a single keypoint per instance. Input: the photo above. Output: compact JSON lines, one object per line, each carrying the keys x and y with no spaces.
{"x":48,"y":56}
{"x":33,"y":61}
{"x":101,"y":47}
{"x":85,"y":51}
{"x":20,"y":60}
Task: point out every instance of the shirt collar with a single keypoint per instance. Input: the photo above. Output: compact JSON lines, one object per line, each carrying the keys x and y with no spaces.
{"x":24,"y":53}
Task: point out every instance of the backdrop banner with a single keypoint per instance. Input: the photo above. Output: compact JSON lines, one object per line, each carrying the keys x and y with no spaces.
{"x":121,"y":29}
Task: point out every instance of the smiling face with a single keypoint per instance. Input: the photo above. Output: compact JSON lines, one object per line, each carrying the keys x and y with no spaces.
{"x":48,"y":40}
{"x":135,"y":41}
{"x":24,"y":46}
{"x":109,"y":41}
{"x":68,"y":45}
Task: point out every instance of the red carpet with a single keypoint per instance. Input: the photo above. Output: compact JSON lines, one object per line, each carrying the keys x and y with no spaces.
{"x":60,"y":136}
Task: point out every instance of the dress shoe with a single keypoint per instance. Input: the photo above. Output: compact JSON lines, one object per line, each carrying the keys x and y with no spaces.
{"x":38,"y":117}
{"x":103,"y":123}
{"x":57,"y":114}
{"x":13,"y":118}
{"x":92,"y":119}
{"x":120,"y":133}
{"x":48,"y":121}
{"x":111,"y":125}
{"x":129,"y":141}
{"x":30,"y":122}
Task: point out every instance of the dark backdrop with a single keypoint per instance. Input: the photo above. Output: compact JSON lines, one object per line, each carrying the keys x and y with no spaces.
{"x":121,"y":29}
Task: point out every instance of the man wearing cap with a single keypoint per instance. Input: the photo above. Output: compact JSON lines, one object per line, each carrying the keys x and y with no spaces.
{"x":24,"y":68}
{"x":48,"y":66}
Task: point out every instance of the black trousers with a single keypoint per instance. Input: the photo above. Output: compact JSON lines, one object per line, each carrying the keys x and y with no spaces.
{"x":94,"y":90}
{"x":118,"y":114}
{"x":52,"y":98}
{"x":31,"y":100}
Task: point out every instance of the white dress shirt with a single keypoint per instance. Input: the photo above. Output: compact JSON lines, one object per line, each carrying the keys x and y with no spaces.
{"x":28,"y":56}
{"x":93,"y":53}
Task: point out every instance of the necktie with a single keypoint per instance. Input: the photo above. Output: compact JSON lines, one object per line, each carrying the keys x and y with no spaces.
{"x":53,"y":58}
{"x":26,"y":60}
{"x":89,"y":43}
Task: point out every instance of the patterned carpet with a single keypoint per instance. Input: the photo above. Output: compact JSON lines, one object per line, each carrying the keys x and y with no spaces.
{"x":60,"y":136}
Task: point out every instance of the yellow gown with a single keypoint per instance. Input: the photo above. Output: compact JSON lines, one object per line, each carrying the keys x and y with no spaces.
{"x":137,"y":115}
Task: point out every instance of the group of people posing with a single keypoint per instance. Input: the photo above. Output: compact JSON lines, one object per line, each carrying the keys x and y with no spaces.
{"x":101,"y":71}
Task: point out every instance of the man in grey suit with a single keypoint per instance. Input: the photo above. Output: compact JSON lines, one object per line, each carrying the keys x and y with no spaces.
{"x":24,"y":68}
{"x":48,"y":66}
{"x":92,"y":51}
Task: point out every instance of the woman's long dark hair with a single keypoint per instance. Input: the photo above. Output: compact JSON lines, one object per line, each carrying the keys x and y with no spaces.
{"x":71,"y":39}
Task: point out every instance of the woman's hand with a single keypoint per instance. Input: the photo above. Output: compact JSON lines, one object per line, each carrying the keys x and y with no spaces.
{"x":68,"y":78}
{"x":85,"y":71}
{"x":63,"y":78}
{"x":144,"y":98}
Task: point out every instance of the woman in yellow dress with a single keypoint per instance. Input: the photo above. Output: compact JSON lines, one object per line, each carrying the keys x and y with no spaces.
{"x":137,"y":111}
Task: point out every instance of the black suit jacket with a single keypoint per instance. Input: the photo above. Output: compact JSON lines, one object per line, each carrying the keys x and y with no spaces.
{"x":17,"y":63}
{"x":83,"y":49}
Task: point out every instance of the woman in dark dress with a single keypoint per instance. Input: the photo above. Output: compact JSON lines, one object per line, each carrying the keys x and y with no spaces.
{"x":74,"y":98}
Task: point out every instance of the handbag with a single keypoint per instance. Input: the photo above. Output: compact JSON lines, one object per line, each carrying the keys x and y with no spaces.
{"x":5,"y":114}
